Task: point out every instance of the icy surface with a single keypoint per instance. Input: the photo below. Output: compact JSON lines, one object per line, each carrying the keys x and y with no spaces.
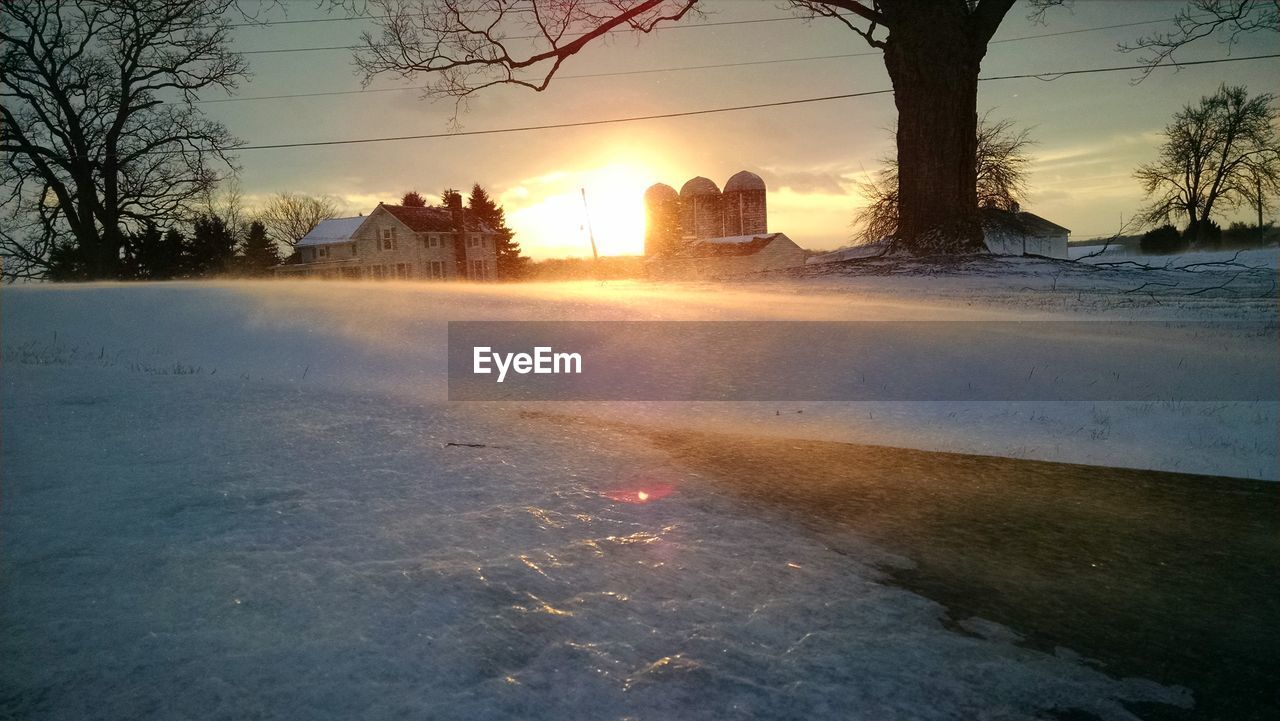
{"x":245,"y":550}
{"x":228,"y":501}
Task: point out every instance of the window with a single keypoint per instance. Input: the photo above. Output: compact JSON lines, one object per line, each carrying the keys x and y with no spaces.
{"x":403,"y":270}
{"x":322,"y":251}
{"x":477,"y":269}
{"x":437,"y":269}
{"x":473,"y":241}
{"x":389,"y":238}
{"x":378,"y":272}
{"x":355,"y":250}
{"x":433,"y":241}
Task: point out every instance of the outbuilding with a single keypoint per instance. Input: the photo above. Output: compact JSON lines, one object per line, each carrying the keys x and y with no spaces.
{"x":733,"y":255}
{"x":1016,"y":232}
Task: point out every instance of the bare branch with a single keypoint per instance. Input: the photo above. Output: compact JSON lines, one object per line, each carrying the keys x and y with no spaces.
{"x":1226,"y":19}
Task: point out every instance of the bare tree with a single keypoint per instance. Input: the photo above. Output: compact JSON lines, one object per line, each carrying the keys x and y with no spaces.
{"x":101,"y":134}
{"x":227,"y":202}
{"x":290,"y":216}
{"x":1227,"y":19}
{"x":933,"y":51}
{"x":1001,"y":171}
{"x":1221,"y":151}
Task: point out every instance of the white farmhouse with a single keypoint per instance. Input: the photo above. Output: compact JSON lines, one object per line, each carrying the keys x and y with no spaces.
{"x":400,"y":242}
{"x":1016,"y":232}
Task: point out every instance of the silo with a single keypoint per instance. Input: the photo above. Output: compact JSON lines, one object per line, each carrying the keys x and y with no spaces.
{"x":744,"y":205}
{"x":661,"y":219}
{"x":700,"y":214}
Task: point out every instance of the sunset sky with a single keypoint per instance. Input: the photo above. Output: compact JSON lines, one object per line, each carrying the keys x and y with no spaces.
{"x":1092,"y":130}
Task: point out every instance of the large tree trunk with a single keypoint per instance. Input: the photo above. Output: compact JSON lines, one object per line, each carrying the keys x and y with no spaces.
{"x":934,"y":67}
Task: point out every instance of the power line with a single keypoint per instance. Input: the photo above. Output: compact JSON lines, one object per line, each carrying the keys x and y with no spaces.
{"x":709,"y":111}
{"x":647,"y":71}
{"x":684,"y":26}
{"x":330,"y":48}
{"x":579,"y":124}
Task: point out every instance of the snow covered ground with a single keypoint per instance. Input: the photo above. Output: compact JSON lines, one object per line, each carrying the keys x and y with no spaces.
{"x":236,"y":500}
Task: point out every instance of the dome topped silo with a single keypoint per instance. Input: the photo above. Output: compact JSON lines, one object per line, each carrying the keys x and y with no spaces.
{"x":699,"y":186}
{"x":700,"y":215}
{"x":744,"y":180}
{"x":660,"y":193}
{"x":661,"y":219}
{"x":744,"y":205}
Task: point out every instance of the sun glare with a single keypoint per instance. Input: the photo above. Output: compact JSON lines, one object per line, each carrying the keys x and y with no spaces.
{"x":552,"y":219}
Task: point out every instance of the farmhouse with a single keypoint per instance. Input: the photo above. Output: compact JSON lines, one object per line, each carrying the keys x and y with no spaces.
{"x":1016,"y":232}
{"x":399,"y":242}
{"x":701,"y":232}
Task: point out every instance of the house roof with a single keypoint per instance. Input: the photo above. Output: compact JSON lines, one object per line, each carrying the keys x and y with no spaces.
{"x":333,"y":230}
{"x":433,"y":219}
{"x":734,"y":245}
{"x":1020,"y":222}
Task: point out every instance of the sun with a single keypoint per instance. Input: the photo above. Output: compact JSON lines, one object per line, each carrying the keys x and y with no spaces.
{"x":560,"y":213}
{"x":615,"y":208}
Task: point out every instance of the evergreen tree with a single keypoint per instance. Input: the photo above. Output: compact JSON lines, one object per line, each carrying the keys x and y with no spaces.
{"x":259,"y":254}
{"x":152,"y":255}
{"x":510,"y":264}
{"x":211,"y":249}
{"x":67,"y":263}
{"x":413,"y":199}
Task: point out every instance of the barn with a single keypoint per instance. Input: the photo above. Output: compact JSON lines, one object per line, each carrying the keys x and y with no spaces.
{"x":722,"y":257}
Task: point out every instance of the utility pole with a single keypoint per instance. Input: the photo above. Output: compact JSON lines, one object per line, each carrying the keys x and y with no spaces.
{"x":590,"y":233}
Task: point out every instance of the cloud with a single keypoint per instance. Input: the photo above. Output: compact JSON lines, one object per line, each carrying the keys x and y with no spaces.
{"x":810,"y":182}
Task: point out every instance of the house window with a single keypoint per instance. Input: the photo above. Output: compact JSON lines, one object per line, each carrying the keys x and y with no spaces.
{"x":437,"y":269}
{"x":473,"y":241}
{"x":355,"y":250}
{"x":477,"y":269}
{"x":322,"y":251}
{"x":433,"y":241}
{"x":389,"y":238}
{"x":378,"y":272}
{"x":403,"y":270}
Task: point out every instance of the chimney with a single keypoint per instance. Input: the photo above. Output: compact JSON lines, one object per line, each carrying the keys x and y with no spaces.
{"x":453,"y":202}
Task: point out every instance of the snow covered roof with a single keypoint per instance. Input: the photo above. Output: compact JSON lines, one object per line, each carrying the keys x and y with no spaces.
{"x":738,"y":239}
{"x":1020,"y":222}
{"x":853,"y":252}
{"x":333,"y":230}
{"x":744,"y":180}
{"x":731,"y":245}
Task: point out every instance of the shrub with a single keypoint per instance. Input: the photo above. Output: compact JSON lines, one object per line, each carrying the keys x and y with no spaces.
{"x":1209,"y":234}
{"x":1162,"y":241}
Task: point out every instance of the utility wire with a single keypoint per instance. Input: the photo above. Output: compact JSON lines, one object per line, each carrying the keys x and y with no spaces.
{"x":647,"y":71}
{"x":687,"y":26}
{"x":709,"y":111}
{"x":628,"y":31}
